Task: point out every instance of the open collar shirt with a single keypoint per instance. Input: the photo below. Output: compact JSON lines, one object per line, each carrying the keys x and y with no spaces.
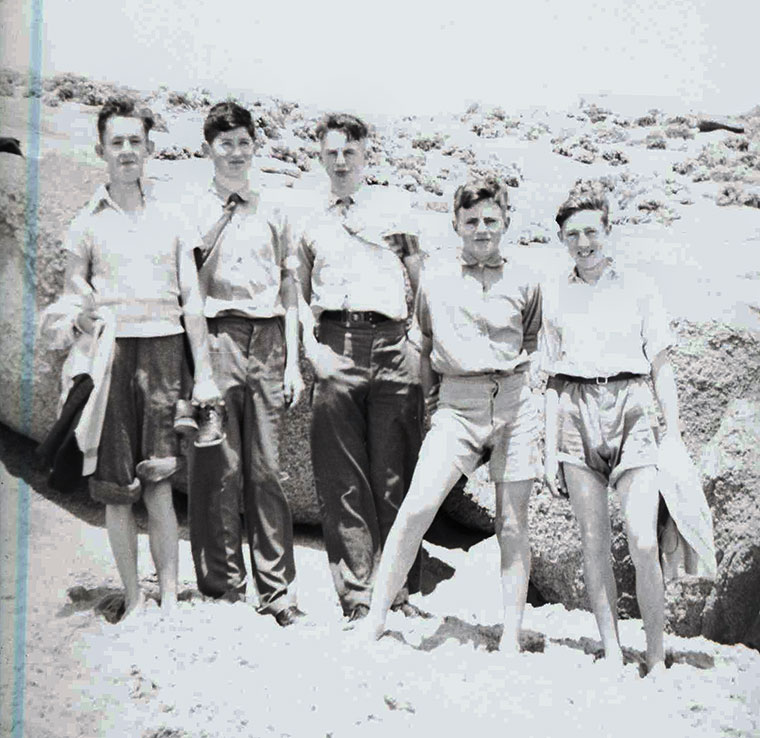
{"x":481,"y":318}
{"x":133,"y":262}
{"x":617,"y":325}
{"x":350,"y":253}
{"x":245,"y":249}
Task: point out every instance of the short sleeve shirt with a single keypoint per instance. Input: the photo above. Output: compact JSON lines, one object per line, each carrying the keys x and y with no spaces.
{"x":132,"y":261}
{"x":350,"y":257}
{"x":479,"y":318}
{"x":617,"y":325}
{"x":246,"y":253}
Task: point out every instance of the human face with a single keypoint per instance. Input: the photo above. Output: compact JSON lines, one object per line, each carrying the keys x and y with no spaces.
{"x":585,"y":236}
{"x":232,"y":154}
{"x":344,"y":162}
{"x":481,"y":228}
{"x":124,"y":148}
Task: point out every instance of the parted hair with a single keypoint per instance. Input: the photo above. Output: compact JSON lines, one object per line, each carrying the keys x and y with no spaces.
{"x":478,"y":190}
{"x":226,"y":116}
{"x":123,"y":107}
{"x":355,"y":129}
{"x":585,"y":195}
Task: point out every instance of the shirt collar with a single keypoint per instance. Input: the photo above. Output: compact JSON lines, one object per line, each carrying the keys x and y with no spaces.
{"x":610,"y":273}
{"x":102,"y":198}
{"x":333,"y":200}
{"x":493,"y":262}
{"x":248,"y":195}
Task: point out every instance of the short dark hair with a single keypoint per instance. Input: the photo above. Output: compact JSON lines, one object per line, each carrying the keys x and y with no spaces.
{"x":478,"y":190}
{"x":123,"y":107}
{"x":354,"y":128}
{"x":585,"y":195}
{"x":226,"y":116}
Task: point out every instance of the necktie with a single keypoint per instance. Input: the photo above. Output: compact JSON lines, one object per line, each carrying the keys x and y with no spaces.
{"x":212,"y":237}
{"x":344,"y":203}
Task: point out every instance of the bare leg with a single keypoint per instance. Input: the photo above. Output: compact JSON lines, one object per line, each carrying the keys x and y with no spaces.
{"x":431,"y":482}
{"x":639,"y":499}
{"x":122,"y":534}
{"x":164,"y":539}
{"x":512,"y":534}
{"x":588,"y":495}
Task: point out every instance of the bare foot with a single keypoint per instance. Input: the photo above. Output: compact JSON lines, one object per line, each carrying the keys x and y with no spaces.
{"x":509,"y":648}
{"x":168,"y":604}
{"x":367,"y":632}
{"x":133,"y":606}
{"x":657,"y":672}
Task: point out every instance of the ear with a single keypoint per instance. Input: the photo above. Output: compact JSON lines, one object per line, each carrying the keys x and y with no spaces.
{"x":507,"y":221}
{"x":608,"y":228}
{"x":99,"y":149}
{"x":454,"y":222}
{"x":151,"y":147}
{"x":560,"y":236}
{"x":206,"y":149}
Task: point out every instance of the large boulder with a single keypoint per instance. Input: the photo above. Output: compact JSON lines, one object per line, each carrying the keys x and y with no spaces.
{"x":718,"y":374}
{"x":730,"y":466}
{"x":31,"y":277}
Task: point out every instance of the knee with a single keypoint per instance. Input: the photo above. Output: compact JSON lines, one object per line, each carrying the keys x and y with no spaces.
{"x":509,"y":529}
{"x":643,"y":547}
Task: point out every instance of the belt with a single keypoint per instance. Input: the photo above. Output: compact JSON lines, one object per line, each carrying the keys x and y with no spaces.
{"x":354,"y":316}
{"x":598,"y":380}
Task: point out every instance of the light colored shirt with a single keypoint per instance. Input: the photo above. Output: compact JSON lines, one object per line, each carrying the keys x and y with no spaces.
{"x":479,"y":318}
{"x":245,"y":248}
{"x":599,"y":330}
{"x":133,"y":262}
{"x":349,"y":255}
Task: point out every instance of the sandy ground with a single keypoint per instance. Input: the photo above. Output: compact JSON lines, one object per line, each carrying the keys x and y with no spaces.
{"x":222,"y":670}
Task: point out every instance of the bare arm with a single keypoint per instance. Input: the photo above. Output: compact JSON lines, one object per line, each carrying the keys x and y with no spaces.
{"x":292,"y":381}
{"x":551,"y":465}
{"x":666,"y":392}
{"x":430,"y":380}
{"x":204,"y":387}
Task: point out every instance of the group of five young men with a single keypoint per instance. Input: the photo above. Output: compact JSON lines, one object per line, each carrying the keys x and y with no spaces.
{"x":235,"y":276}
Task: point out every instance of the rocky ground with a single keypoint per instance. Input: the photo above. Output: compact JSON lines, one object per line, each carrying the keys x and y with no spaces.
{"x":221,"y":670}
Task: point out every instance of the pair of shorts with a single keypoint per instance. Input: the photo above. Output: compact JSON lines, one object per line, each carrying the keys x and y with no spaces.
{"x":488,"y":412}
{"x":138,"y":442}
{"x":608,"y":428}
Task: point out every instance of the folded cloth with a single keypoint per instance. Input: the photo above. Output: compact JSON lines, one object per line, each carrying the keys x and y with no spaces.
{"x":687,"y":534}
{"x":90,"y":355}
{"x":59,"y":452}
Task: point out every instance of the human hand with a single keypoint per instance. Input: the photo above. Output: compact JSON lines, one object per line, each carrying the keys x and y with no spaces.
{"x":205,"y":392}
{"x":551,"y":473}
{"x":292,"y":384}
{"x":87,"y":317}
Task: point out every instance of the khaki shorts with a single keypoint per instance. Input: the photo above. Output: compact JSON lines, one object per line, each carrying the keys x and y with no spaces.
{"x":138,"y":442}
{"x":608,"y":428}
{"x":487,"y":413}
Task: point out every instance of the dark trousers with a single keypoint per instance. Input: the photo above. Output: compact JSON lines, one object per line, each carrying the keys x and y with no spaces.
{"x":248,"y":359}
{"x":366,"y":434}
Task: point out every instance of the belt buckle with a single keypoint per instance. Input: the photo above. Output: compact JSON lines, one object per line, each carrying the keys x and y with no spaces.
{"x":354,"y":316}
{"x":601,"y":380}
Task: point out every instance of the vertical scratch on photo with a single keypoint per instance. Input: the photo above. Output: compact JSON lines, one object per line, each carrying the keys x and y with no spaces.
{"x":27,"y":369}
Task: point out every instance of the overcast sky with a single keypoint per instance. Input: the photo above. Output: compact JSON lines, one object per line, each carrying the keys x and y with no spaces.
{"x":402,"y":56}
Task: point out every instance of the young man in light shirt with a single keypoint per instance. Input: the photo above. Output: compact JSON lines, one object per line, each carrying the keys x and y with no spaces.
{"x":242,"y":245}
{"x":605,"y":332}
{"x":479,"y":319}
{"x":358,"y":262}
{"x":123,"y":255}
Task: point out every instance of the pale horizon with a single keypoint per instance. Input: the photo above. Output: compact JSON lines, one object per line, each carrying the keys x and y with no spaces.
{"x":411,"y":57}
